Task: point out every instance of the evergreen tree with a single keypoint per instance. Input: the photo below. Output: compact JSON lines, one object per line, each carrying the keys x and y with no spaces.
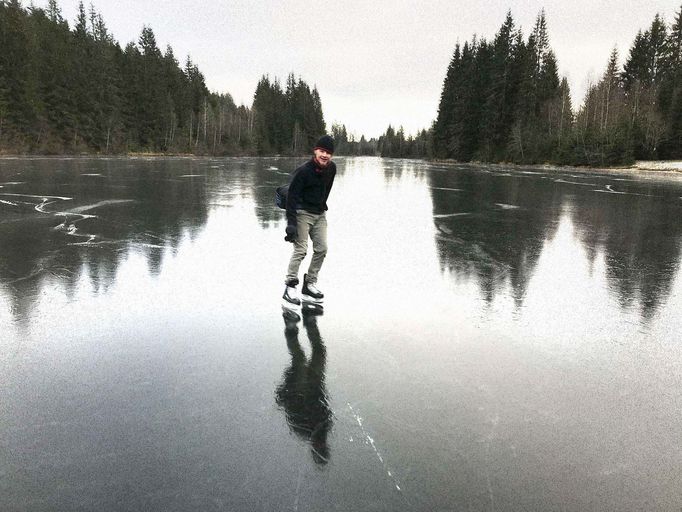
{"x":500,"y":104}
{"x":83,"y":87}
{"x":670,"y":92}
{"x":52,"y":64}
{"x":502,"y":100}
{"x":17,"y":82}
{"x":263,"y":106}
{"x":287,"y":121}
{"x":341,"y":140}
{"x":106,"y":129}
{"x":445,"y":130}
{"x":643,"y":73}
{"x":151,"y":92}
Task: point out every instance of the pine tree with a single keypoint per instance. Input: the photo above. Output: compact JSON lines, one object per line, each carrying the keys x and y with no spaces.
{"x":83,"y":87}
{"x":500,"y":105}
{"x":670,"y":92}
{"x":444,"y":126}
{"x":263,"y":115}
{"x":53,"y":66}
{"x":643,"y":74}
{"x":18,"y":96}
{"x":151,"y":92}
{"x":340,"y":136}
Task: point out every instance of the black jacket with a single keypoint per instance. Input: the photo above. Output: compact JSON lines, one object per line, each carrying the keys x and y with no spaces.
{"x":309,"y":189}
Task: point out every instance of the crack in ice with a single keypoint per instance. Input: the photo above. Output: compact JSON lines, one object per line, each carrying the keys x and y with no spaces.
{"x":371,"y":443}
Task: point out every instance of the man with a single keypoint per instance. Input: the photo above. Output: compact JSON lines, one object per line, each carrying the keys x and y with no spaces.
{"x":306,"y":205}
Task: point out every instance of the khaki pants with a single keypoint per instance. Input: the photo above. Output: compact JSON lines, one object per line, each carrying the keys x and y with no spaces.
{"x":315,"y":226}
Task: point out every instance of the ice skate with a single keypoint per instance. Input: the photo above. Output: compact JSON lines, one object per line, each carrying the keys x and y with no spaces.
{"x":310,"y":293}
{"x":290,"y":298}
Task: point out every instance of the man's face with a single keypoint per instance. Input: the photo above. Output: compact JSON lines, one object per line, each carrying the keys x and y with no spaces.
{"x":322,"y":157}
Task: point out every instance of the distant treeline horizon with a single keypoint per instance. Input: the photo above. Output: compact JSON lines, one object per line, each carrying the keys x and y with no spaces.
{"x":66,"y":91}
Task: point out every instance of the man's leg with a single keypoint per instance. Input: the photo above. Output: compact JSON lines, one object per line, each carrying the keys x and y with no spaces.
{"x":318,"y":234}
{"x":303,"y":224}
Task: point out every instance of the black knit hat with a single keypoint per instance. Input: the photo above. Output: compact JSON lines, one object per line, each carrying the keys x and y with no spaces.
{"x":325,"y":142}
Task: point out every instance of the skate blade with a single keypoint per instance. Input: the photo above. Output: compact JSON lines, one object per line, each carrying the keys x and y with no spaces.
{"x":288,"y":305}
{"x":311,"y":300}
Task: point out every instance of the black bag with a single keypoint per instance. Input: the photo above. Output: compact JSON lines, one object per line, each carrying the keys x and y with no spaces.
{"x":281,"y":196}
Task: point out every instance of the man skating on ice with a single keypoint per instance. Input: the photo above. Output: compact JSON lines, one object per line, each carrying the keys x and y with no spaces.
{"x":306,"y":205}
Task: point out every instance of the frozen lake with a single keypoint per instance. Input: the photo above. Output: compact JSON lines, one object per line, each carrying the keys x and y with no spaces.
{"x":496,"y":339}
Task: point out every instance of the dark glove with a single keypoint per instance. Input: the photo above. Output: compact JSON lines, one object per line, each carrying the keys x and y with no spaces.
{"x":292,"y":233}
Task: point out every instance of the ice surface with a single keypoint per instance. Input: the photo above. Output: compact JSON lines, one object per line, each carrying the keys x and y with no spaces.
{"x":492,"y":338}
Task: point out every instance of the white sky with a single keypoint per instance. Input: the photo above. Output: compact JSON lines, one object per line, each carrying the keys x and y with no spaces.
{"x":375,"y":62}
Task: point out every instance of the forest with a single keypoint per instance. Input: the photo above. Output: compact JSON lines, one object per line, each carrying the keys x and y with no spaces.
{"x":76,"y":90}
{"x":503,"y":101}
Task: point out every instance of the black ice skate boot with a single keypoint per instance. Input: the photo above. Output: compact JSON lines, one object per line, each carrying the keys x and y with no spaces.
{"x":310,"y":292}
{"x":291,"y":295}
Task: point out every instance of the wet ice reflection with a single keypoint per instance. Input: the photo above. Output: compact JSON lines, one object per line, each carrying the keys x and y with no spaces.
{"x":493,"y":338}
{"x":302,"y":394}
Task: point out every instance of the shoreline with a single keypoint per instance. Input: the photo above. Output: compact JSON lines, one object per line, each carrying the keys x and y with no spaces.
{"x":643,"y":168}
{"x":660,"y":168}
{"x":649,"y":168}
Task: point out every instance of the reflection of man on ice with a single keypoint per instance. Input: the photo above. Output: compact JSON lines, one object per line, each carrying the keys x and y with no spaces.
{"x":306,"y":205}
{"x":302,"y":393}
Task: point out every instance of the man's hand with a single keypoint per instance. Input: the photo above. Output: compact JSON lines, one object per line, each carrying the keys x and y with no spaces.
{"x":292,"y":233}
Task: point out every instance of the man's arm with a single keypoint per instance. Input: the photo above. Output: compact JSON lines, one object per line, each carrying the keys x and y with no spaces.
{"x":329,"y":187}
{"x":294,"y":196}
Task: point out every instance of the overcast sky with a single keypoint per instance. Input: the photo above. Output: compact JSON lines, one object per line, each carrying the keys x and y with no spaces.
{"x":374,"y":62}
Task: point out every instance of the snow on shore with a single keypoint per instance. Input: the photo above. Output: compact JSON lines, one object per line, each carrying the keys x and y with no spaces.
{"x":659,"y":165}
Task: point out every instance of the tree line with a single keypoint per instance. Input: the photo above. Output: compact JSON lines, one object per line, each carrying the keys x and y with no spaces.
{"x":393,"y":143}
{"x":66,"y":90}
{"x":503,"y":100}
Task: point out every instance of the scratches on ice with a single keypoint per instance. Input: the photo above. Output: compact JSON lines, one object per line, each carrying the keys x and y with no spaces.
{"x":445,"y":215}
{"x":70,"y":228}
{"x":87,"y":207}
{"x":505,"y":206}
{"x":370,"y":441}
{"x":609,"y":190}
{"x":45,"y":198}
{"x":576,"y":183}
{"x":41,"y":207}
{"x":446,"y":188}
